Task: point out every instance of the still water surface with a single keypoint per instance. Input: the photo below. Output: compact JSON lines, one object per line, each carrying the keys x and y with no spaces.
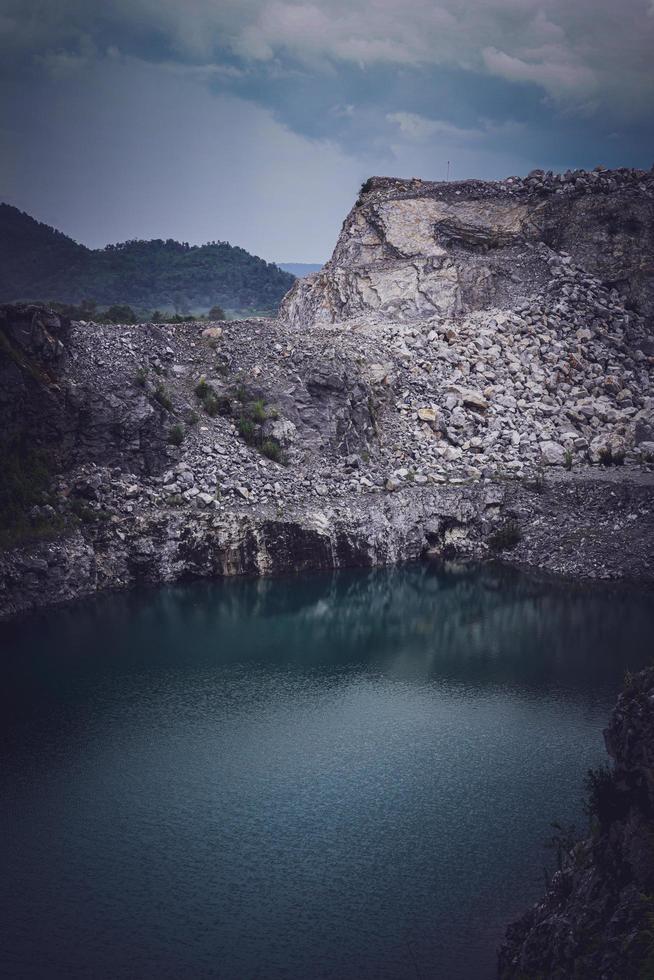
{"x":340,"y":776}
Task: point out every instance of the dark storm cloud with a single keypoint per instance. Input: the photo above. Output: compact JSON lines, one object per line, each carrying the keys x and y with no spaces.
{"x":190,"y":116}
{"x":578,"y":53}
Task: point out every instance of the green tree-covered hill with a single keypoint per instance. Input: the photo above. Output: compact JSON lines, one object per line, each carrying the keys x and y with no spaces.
{"x":39,"y":263}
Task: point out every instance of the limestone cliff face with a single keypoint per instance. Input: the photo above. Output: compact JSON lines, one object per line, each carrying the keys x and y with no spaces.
{"x":596,"y":918}
{"x":411,"y":249}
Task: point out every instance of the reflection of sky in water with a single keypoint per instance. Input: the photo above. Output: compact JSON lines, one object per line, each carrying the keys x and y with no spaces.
{"x":343,"y":776}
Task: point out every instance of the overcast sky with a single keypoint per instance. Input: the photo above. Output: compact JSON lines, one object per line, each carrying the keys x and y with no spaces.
{"x":255,"y":121}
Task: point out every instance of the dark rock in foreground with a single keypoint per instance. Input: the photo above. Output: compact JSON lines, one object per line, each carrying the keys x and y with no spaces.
{"x":596,"y":921}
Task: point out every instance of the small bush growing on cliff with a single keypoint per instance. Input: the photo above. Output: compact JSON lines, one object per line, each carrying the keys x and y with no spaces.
{"x":272,"y":450}
{"x":86,"y":514}
{"x":506,"y":537}
{"x":257,"y":411}
{"x":162,"y":397}
{"x":568,"y":459}
{"x":207,"y":396}
{"x":141,"y":377}
{"x":253,"y":415}
{"x":246,"y":430}
{"x":176,"y":435}
{"x":212,"y":404}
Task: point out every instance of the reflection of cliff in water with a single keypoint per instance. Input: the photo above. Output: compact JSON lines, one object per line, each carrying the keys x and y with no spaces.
{"x":478,"y":625}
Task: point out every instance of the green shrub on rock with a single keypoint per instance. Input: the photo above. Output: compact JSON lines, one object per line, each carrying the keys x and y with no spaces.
{"x":246,"y":430}
{"x":272,"y":450}
{"x":176,"y":435}
{"x":202,"y":389}
{"x":86,"y":514}
{"x":211,"y":405}
{"x":257,"y":411}
{"x":162,"y":397}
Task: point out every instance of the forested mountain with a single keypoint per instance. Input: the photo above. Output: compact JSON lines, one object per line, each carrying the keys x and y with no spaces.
{"x":39,"y":263}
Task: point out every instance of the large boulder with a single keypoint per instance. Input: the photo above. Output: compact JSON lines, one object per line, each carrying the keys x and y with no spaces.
{"x":552,"y":454}
{"x":608,"y":448}
{"x":281,"y":431}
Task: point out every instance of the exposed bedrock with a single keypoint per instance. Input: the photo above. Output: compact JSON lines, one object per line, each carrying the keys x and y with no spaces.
{"x":65,"y":399}
{"x":414,"y":248}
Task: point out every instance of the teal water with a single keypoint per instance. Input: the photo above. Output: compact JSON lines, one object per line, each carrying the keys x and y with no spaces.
{"x":339,"y":776}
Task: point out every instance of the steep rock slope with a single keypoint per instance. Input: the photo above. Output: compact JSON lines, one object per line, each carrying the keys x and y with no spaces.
{"x":597,"y":918}
{"x":528,"y":302}
{"x":413,"y":248}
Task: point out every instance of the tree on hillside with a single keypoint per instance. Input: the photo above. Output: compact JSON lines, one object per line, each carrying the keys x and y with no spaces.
{"x":119,"y":314}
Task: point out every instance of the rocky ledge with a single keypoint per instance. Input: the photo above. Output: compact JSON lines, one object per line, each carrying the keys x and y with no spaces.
{"x":472,"y":372}
{"x":596,"y":921}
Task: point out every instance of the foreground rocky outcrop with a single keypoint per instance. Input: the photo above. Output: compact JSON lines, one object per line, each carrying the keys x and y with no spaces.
{"x":596,"y":921}
{"x":464,"y":375}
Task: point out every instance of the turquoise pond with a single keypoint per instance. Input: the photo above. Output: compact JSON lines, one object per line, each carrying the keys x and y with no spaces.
{"x":343,"y":776}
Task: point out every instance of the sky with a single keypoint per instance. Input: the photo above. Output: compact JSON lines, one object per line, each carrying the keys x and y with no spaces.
{"x":255,"y":121}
